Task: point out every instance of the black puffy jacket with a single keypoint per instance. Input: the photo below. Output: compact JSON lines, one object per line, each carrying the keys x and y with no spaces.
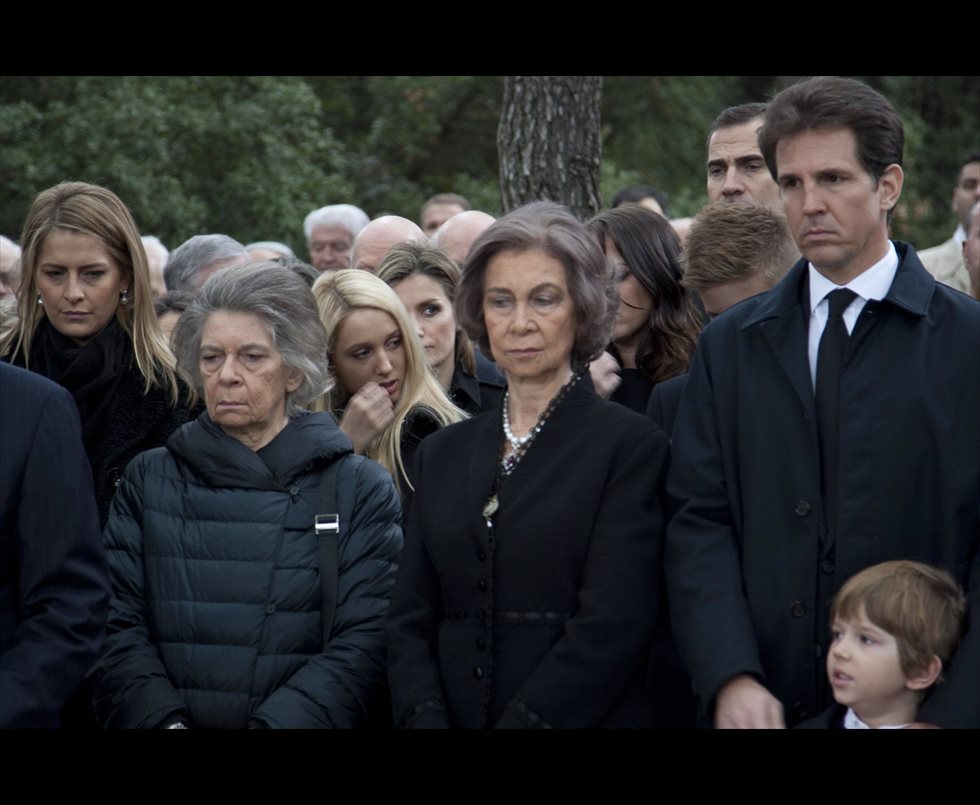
{"x":215,"y":614}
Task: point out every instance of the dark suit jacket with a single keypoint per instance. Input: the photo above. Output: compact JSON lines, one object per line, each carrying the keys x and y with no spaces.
{"x":54,"y":583}
{"x":830,"y":719}
{"x":548,"y":620}
{"x":665,"y":400}
{"x":480,"y":393}
{"x":749,"y":571}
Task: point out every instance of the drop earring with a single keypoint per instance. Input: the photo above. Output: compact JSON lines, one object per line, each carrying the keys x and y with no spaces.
{"x":124,"y":299}
{"x":40,"y":301}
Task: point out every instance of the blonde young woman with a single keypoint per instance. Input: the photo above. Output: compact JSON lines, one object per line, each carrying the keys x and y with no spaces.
{"x":385,"y":399}
{"x":85,"y":319}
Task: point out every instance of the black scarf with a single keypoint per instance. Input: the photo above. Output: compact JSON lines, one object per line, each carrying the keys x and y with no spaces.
{"x":90,"y":372}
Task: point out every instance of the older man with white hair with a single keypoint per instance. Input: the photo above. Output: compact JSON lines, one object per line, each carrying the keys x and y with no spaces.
{"x":156,"y":257}
{"x":199,"y":257}
{"x":330,"y":233}
{"x":9,"y":273}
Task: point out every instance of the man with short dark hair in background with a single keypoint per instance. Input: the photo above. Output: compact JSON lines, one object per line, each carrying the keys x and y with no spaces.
{"x":737,"y":172}
{"x":440,"y":208}
{"x":945,"y":262}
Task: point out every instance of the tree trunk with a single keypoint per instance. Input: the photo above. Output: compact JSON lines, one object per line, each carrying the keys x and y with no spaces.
{"x":549,"y":143}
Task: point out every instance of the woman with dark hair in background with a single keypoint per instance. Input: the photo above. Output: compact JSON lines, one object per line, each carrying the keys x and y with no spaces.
{"x":658,"y":322}
{"x":426,"y":281}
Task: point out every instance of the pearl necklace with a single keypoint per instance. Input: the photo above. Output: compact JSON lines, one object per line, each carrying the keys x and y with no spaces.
{"x":517,"y":441}
{"x":520,"y":445}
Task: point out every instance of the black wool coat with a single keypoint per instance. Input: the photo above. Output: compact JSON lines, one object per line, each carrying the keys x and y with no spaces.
{"x":546,"y":621}
{"x":749,"y":572}
{"x":140,"y":421}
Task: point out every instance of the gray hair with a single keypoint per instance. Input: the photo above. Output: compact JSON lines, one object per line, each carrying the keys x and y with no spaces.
{"x":284,"y":304}
{"x":271,"y":246}
{"x":303,"y":270}
{"x":552,"y":229}
{"x":9,"y":246}
{"x":151,"y":243}
{"x":347,"y":216}
{"x":197,"y":254}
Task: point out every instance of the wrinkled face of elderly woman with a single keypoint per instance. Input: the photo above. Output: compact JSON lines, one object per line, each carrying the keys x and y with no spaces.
{"x":245,"y":380}
{"x":529,"y":316}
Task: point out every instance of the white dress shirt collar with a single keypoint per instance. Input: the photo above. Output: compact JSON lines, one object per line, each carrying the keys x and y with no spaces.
{"x":853,"y":722}
{"x":872,"y":283}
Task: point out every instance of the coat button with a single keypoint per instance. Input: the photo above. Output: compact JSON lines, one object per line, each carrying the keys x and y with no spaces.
{"x":481,"y":555}
{"x":270,"y":608}
{"x":797,"y":609}
{"x":802,"y":509}
{"x":478,"y":672}
{"x":481,"y":644}
{"x":482,"y":584}
{"x":827,"y":566}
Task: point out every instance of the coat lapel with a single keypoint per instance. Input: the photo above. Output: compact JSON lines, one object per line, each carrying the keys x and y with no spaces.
{"x":780,"y":318}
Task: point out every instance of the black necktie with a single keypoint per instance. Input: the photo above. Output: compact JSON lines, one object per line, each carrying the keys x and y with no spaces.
{"x":830,"y":359}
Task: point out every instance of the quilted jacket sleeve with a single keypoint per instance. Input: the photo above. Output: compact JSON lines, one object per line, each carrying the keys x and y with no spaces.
{"x":335,"y":688}
{"x":132,"y":686}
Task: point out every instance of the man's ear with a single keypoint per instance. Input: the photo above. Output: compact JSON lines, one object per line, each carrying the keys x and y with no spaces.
{"x":890,"y":186}
{"x":926,"y":677}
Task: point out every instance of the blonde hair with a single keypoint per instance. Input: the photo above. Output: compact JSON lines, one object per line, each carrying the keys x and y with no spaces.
{"x":95,"y":211}
{"x":349,"y":289}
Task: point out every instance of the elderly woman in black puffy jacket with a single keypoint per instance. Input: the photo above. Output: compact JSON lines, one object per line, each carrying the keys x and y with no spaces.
{"x":253,"y":556}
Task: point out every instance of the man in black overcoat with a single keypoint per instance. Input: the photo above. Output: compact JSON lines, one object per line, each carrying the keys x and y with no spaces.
{"x":54,"y":582}
{"x":824,"y":430}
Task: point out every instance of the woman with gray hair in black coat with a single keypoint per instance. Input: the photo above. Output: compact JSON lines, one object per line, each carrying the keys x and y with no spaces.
{"x":230,"y":608}
{"x":529,"y":586}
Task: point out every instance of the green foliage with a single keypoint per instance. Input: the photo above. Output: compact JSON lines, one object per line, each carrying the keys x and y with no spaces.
{"x":655,"y":127}
{"x":942,"y":128}
{"x":186,"y":154}
{"x":251,"y":156}
{"x":409,"y":137}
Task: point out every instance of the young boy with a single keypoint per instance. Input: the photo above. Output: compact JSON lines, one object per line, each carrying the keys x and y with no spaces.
{"x":893,"y":628}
